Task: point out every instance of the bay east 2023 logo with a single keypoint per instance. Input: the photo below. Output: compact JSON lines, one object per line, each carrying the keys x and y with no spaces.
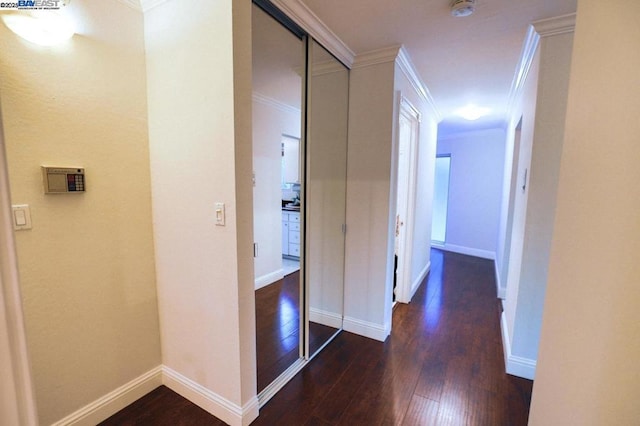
{"x":39,"y":4}
{"x":35,"y":4}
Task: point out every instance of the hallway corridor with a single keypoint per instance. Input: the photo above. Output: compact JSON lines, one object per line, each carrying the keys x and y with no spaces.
{"x":442,"y":365}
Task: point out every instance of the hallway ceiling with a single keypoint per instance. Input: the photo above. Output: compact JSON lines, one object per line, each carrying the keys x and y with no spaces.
{"x":461,"y":60}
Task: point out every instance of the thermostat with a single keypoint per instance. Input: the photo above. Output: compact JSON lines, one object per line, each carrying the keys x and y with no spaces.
{"x":63,"y":180}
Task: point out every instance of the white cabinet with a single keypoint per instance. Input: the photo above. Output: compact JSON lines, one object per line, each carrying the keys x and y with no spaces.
{"x":291,"y":234}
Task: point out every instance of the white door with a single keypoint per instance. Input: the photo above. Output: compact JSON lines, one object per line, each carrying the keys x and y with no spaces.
{"x":408,"y":125}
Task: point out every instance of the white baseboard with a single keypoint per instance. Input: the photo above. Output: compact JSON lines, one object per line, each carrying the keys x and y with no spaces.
{"x":423,"y":274}
{"x":484,"y":254}
{"x":215,"y":404}
{"x":501,"y":291}
{"x":106,"y":406}
{"x":269,"y":278}
{"x":330,"y":319}
{"x":367,"y":329}
{"x":515,"y":365}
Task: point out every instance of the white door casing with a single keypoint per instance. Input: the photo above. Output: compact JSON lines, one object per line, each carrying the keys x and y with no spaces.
{"x":408,"y":132}
{"x":17,"y":400}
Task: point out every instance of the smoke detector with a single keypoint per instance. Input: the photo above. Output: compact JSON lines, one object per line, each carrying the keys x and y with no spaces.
{"x":461,"y":8}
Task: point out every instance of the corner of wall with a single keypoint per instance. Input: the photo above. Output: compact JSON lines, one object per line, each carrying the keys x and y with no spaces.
{"x":515,"y":365}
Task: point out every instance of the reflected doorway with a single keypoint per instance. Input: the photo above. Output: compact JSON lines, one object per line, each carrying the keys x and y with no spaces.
{"x":440,"y":199}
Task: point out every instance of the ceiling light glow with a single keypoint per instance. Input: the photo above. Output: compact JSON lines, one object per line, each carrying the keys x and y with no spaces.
{"x":42,"y":27}
{"x":472,"y":112}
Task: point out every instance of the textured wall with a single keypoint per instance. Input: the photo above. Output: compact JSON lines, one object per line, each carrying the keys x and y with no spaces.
{"x":87,"y":268}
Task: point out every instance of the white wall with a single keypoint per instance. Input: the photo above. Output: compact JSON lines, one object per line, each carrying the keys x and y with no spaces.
{"x":426,"y":160}
{"x":368,"y":259}
{"x":199,"y":91}
{"x":526,"y":110}
{"x":17,"y":400}
{"x":270,"y":121}
{"x":588,"y":364}
{"x":543,"y":116}
{"x":87,"y":266}
{"x":475,"y":190}
{"x":375,"y":82}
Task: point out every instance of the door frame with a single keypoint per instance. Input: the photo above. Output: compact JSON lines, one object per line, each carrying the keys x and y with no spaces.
{"x":19,"y":403}
{"x":405,"y":243}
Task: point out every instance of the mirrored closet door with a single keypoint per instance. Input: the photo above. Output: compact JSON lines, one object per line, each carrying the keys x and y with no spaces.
{"x":326,"y":185}
{"x":300,"y":103}
{"x":278,"y":79}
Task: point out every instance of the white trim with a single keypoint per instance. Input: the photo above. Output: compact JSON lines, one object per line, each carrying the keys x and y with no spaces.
{"x":132,"y":4}
{"x":106,"y":406}
{"x":501,"y":291}
{"x":330,"y":319}
{"x":409,"y":70}
{"x":367,"y":329}
{"x":271,"y":102}
{"x":303,"y":16}
{"x":485,"y":254}
{"x":272,"y":389}
{"x":423,"y":274}
{"x":557,"y":25}
{"x":215,"y":404}
{"x":269,"y":278}
{"x":375,"y":57}
{"x":542,"y":28}
{"x":405,"y":245}
{"x":529,"y":49}
{"x":147,"y":5}
{"x":20,"y":402}
{"x":515,"y":365}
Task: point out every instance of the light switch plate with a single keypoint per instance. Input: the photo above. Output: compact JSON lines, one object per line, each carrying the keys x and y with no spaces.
{"x":220,"y":214}
{"x":21,"y":217}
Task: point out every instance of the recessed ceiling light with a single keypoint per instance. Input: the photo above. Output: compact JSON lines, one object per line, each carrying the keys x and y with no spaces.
{"x":43,"y":27}
{"x":472,"y":112}
{"x":460,"y":8}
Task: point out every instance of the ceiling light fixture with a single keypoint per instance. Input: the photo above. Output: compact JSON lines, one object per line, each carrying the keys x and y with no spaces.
{"x":460,"y":8}
{"x":472,"y":112}
{"x":43,"y":27}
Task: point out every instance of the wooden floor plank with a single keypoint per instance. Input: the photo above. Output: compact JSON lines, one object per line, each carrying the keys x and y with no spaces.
{"x":442,"y":365}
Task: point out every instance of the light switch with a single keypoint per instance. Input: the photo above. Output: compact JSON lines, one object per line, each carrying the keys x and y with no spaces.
{"x":219,"y":214}
{"x":21,"y":217}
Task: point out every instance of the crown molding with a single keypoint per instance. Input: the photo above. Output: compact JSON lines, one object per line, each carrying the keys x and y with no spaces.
{"x":557,"y":25}
{"x":147,"y":5}
{"x":375,"y":57}
{"x":409,"y":70}
{"x":327,"y":67}
{"x":543,"y":28}
{"x":269,"y":101}
{"x":529,"y":48}
{"x":309,"y":21}
{"x":142,"y":5}
{"x":133,"y":4}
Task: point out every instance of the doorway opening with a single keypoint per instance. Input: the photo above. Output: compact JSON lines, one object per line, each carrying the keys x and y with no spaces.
{"x":512,"y":201}
{"x":440,"y":200}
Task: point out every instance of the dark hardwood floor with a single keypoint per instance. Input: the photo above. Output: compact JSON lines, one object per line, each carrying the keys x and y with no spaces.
{"x":277,"y":328}
{"x":442,"y":365}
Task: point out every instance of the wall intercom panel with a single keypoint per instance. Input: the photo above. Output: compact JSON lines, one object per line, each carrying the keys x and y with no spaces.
{"x":63,"y":180}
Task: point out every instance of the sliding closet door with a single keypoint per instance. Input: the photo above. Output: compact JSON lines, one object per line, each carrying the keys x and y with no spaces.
{"x":327,"y":101}
{"x":278,"y":76}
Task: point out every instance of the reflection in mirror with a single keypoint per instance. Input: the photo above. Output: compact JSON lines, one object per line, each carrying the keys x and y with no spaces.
{"x":277,"y":96}
{"x":328,"y":85}
{"x":290,"y":161}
